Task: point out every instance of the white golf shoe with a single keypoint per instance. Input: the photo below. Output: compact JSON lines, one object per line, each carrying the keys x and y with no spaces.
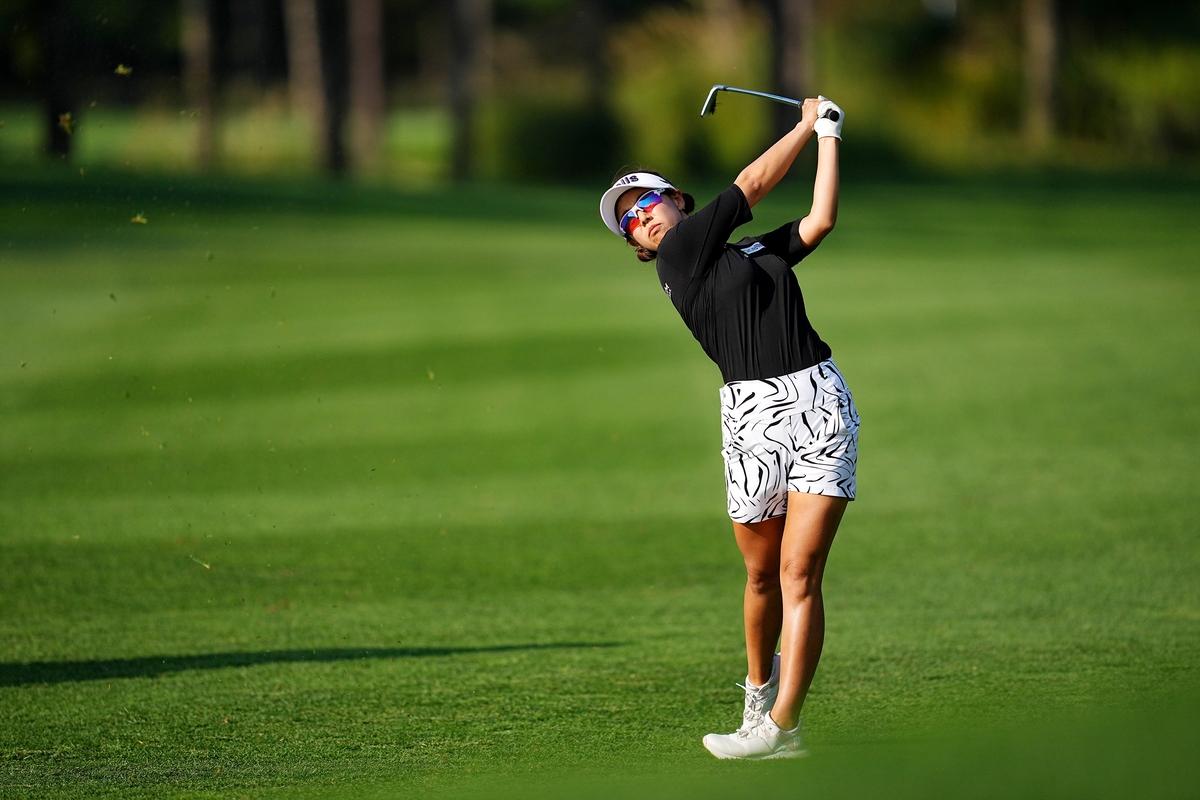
{"x":760,"y":742}
{"x":760,"y":699}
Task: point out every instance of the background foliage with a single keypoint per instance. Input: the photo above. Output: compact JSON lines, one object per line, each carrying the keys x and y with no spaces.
{"x":936,"y":82}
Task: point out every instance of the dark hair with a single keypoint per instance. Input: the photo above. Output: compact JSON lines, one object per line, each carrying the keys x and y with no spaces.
{"x":646,"y":255}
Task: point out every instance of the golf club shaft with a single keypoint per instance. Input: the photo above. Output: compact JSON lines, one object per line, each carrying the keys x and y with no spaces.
{"x":710,"y":102}
{"x":777,"y":98}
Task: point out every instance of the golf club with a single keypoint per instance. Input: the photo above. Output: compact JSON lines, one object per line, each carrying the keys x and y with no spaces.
{"x":710,"y":102}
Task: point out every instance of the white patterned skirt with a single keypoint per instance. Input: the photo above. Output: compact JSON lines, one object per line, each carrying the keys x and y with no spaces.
{"x":794,"y":433}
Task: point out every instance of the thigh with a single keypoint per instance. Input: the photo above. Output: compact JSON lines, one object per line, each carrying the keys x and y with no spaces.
{"x":812,"y":522}
{"x":760,"y":543}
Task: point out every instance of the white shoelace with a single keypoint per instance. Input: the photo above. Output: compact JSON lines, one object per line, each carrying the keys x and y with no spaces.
{"x":754,"y":710}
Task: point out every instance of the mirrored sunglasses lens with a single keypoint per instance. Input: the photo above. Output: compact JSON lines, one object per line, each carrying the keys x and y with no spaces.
{"x":649,"y":200}
{"x":644,"y":203}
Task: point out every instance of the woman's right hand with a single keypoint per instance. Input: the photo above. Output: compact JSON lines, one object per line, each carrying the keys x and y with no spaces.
{"x":808,"y":113}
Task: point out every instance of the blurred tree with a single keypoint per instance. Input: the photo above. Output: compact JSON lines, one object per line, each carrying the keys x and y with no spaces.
{"x":593,"y":20}
{"x":250,"y":39}
{"x":367,"y":98}
{"x":472,"y":55}
{"x":1040,"y":26}
{"x":664,"y":64}
{"x":791,"y":56}
{"x":316,"y":79}
{"x":1002,"y":78}
{"x":196,"y":33}
{"x":550,"y":115}
{"x":305,"y":83}
{"x":57,"y":78}
{"x":332,"y":22}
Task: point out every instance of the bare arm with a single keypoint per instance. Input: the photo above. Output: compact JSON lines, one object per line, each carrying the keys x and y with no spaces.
{"x":823,"y":215}
{"x":758,"y":179}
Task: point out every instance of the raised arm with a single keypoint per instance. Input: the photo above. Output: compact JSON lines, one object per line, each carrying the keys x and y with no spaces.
{"x":823,"y":215}
{"x":758,"y":179}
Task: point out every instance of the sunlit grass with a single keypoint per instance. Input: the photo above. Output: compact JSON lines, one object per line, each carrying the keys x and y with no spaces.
{"x":265,"y":139}
{"x":321,"y":486}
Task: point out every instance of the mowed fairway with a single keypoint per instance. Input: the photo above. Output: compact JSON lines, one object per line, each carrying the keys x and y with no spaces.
{"x":306,"y":488}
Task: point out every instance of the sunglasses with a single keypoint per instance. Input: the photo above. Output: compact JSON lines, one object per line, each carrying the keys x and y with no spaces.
{"x":644,"y":203}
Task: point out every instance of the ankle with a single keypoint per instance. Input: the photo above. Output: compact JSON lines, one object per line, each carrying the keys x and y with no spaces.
{"x":782,"y":723}
{"x":766,"y":676}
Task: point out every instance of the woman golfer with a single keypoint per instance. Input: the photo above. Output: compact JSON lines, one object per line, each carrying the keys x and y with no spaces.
{"x":789,"y":428}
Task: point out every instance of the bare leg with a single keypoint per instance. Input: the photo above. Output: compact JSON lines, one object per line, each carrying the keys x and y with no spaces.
{"x":812,"y":522}
{"x":762,"y":604}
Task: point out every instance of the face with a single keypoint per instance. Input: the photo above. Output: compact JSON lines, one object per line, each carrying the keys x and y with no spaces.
{"x":654,"y":222}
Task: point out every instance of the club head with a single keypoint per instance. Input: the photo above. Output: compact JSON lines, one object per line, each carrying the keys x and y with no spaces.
{"x":710,"y":102}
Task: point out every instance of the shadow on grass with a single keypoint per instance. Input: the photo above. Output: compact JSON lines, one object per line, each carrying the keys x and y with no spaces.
{"x":570,"y":202}
{"x":457,"y":364}
{"x":151,"y":666}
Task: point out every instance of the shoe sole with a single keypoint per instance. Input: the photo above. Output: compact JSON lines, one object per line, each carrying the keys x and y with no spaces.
{"x":785,"y":754}
{"x":766,"y":757}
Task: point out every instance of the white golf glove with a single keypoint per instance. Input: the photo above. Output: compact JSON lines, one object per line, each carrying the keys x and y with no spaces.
{"x":829,"y":119}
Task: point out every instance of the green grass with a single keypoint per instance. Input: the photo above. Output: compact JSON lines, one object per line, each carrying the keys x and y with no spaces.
{"x":264,"y":139}
{"x":306,"y":488}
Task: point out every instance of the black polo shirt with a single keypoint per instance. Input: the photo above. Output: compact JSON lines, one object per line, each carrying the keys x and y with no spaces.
{"x":741,"y":301}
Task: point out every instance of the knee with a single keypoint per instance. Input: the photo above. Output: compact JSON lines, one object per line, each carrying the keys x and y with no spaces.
{"x":762,"y":580}
{"x":801,"y":577}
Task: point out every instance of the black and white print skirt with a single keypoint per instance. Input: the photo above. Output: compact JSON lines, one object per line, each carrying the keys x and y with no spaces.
{"x":794,"y":433}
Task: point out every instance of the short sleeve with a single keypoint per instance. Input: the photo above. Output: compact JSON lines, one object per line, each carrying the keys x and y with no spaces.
{"x":693,"y":246}
{"x":785,"y":242}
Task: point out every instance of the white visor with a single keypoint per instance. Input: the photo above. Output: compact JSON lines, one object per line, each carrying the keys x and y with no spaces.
{"x":608,"y":203}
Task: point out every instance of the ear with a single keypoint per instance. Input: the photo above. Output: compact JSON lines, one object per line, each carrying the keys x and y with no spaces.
{"x":677,"y":196}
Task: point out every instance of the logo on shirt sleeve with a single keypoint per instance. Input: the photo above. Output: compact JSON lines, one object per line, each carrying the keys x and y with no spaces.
{"x":754,"y":248}
{"x":667,"y":289}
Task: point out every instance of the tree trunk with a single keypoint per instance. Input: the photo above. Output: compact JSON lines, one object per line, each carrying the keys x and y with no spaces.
{"x":472,"y":28}
{"x":331,"y":18}
{"x":197,"y":45}
{"x":593,"y":27}
{"x":306,"y":86}
{"x":248,"y":40}
{"x":367,"y":90}
{"x":792,"y":57}
{"x":59,"y":106}
{"x":1041,"y":61}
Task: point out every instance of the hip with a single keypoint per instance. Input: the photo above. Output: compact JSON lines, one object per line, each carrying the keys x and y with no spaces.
{"x":772,"y":399}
